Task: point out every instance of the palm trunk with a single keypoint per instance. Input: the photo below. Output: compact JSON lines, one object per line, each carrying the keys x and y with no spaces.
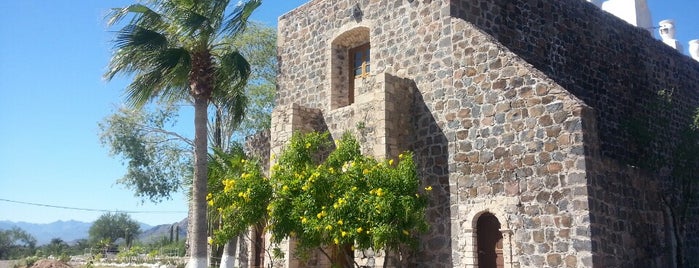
{"x":229,"y":251}
{"x":198,"y":224}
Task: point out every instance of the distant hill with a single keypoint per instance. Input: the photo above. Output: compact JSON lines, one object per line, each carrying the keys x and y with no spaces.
{"x":163,"y":231}
{"x":68,"y":231}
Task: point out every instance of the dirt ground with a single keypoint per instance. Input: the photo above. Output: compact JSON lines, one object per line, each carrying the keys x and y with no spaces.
{"x":6,"y":264}
{"x":38,"y":264}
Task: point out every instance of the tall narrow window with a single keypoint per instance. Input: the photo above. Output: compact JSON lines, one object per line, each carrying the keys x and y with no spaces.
{"x":349,"y":61}
{"x":361,"y":62}
{"x":360,"y":66}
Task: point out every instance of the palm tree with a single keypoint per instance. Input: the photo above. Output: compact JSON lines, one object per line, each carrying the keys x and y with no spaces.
{"x":174,"y":50}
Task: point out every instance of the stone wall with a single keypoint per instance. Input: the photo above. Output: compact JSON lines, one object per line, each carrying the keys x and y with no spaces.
{"x":617,"y":70}
{"x":516,"y":108}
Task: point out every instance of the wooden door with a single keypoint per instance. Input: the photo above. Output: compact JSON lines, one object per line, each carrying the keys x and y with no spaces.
{"x":489,"y":242}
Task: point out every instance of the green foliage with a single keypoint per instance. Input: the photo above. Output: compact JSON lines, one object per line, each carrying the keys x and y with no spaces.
{"x":164,"y":247}
{"x":158,"y":160}
{"x":56,"y":247}
{"x":321,"y":193}
{"x":173,"y":51}
{"x":259,"y":46}
{"x":346,"y":199}
{"x":239,"y":193}
{"x":111,"y":226}
{"x":130,"y":254}
{"x":27,"y":262}
{"x":16,"y":243}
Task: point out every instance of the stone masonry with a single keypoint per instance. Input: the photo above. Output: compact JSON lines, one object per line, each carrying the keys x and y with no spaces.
{"x":515,"y":108}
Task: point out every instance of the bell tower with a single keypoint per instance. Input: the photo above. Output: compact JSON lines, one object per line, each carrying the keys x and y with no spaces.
{"x":635,"y":12}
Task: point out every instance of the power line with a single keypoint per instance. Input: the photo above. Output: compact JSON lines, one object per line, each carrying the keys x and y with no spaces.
{"x":94,"y":210}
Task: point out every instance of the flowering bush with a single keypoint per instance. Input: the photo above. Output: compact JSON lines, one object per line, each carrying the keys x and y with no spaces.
{"x":238,"y":194}
{"x":346,"y":200}
{"x":322,"y":194}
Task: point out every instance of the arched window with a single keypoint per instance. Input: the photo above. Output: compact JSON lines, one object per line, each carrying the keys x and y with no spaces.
{"x":350,"y":60}
{"x":489,"y":242}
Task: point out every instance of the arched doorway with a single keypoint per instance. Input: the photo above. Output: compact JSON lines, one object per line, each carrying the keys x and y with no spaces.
{"x":489,"y":242}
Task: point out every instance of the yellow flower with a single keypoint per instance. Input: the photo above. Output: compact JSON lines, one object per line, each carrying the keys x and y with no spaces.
{"x":304,"y":187}
{"x":285,"y":188}
{"x":354,"y":188}
{"x":400,"y":156}
{"x":211,"y":203}
{"x":359,"y":230}
{"x":379,"y":192}
{"x":337,"y":241}
{"x":344,"y":233}
{"x":428,"y":188}
{"x":308,"y":145}
{"x":390,"y":162}
{"x":328,"y":227}
{"x":405,"y":232}
{"x":209,"y":196}
{"x":304,"y":220}
{"x":340,"y":222}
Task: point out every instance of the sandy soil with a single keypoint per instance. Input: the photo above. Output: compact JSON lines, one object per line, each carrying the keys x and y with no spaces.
{"x":6,"y":264}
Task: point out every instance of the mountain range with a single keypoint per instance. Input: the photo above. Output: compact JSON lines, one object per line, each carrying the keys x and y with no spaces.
{"x":70,"y":231}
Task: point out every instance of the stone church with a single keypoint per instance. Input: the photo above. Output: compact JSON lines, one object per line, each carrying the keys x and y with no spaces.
{"x":547,"y":129}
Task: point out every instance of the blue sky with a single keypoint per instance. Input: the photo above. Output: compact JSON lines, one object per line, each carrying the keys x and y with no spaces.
{"x":52,"y":56}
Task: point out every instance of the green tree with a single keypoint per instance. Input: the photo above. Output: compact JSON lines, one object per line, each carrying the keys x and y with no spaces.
{"x":158,"y":157}
{"x":56,"y":247}
{"x":239,"y":195}
{"x":259,"y":45}
{"x":112,"y":226}
{"x":175,"y":52}
{"x":158,"y":160}
{"x":16,"y":243}
{"x":326,"y":197}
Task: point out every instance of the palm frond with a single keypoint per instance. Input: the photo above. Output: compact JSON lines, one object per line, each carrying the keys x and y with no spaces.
{"x":139,"y":37}
{"x":142,"y":89}
{"x":231,"y":78}
{"x":217,"y":11}
{"x":143,"y":15}
{"x":135,"y":50}
{"x":165,"y":77}
{"x":175,"y":63}
{"x":195,"y":23}
{"x":237,"y":20}
{"x":233,"y":68}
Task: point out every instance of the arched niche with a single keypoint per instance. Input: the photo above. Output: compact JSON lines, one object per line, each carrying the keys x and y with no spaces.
{"x":492,"y":223}
{"x":344,"y":47}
